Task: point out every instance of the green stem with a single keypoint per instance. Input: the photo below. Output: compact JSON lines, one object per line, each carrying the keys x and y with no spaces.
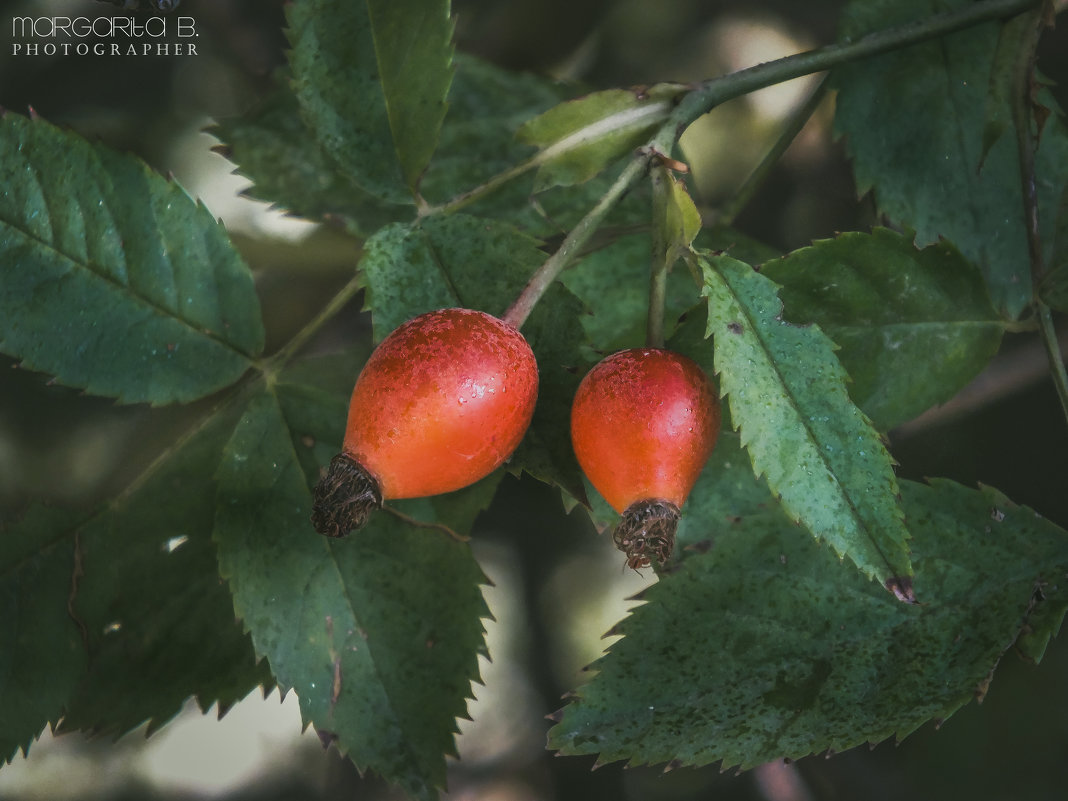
{"x":279,"y":360}
{"x":709,"y":94}
{"x":494,"y":183}
{"x":716,"y":91}
{"x":756,"y":179}
{"x":658,"y":272}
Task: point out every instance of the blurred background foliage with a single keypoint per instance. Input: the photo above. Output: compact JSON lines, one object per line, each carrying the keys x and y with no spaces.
{"x":558,"y":585}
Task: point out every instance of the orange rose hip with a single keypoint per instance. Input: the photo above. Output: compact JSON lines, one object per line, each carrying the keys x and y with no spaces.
{"x":442,"y":402}
{"x":643,"y":424}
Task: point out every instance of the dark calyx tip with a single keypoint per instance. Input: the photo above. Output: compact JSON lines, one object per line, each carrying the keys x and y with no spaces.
{"x":344,"y":497}
{"x":647,"y":532}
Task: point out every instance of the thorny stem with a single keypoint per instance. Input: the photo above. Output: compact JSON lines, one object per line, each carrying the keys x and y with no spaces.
{"x":707,"y":95}
{"x":1026,"y":144}
{"x":794,"y":126}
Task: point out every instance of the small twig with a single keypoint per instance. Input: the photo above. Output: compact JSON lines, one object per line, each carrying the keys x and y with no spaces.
{"x":486,"y":188}
{"x":798,"y":120}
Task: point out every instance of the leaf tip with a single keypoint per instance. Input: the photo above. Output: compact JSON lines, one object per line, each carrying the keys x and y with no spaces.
{"x":901,"y":587}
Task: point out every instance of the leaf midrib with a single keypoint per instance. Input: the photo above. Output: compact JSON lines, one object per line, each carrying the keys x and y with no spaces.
{"x":811,"y":440}
{"x":125,"y":289}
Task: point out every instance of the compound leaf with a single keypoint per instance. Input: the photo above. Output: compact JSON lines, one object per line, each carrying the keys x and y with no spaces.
{"x":788,"y":397}
{"x":113,"y":279}
{"x":116,"y":616}
{"x":914,"y":121}
{"x":479,"y":148}
{"x":413,"y":46}
{"x":759,"y":648}
{"x":378,"y":634}
{"x":896,"y":313}
{"x":158,"y":625}
{"x":486,"y":106}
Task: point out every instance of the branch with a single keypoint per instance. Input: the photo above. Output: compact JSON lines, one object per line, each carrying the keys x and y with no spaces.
{"x":716,"y":91}
{"x":1026,"y":144}
{"x":709,"y":94}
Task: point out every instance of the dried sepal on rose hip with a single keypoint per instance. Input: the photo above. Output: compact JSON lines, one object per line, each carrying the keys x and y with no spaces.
{"x":643,"y":424}
{"x":442,"y":402}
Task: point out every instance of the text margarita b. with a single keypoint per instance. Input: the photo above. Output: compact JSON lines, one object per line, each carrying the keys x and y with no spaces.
{"x":103,"y":36}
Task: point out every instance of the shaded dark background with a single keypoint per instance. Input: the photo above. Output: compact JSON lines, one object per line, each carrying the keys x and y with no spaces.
{"x":1005,"y":430}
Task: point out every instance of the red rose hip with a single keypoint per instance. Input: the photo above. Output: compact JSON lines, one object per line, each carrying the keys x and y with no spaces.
{"x":643,"y":423}
{"x":443,"y":401}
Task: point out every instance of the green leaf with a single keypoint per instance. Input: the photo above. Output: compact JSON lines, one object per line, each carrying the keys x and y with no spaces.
{"x":137,"y":287}
{"x":116,"y":617}
{"x":727,"y":489}
{"x":478,"y":145}
{"x":896,"y":313}
{"x":158,"y":624}
{"x":914,"y":123}
{"x":486,"y":106}
{"x":453,"y":260}
{"x":378,"y":634}
{"x":556,"y":337}
{"x":788,"y":397}
{"x":459,"y":260}
{"x":676,"y":221}
{"x":41,"y":652}
{"x":580,"y":137}
{"x":273,"y":147}
{"x":1054,"y":288}
{"x":1013,"y":35}
{"x":313,"y":394}
{"x":337,"y":81}
{"x":413,"y":46}
{"x":759,"y":648}
{"x":613,"y":282}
